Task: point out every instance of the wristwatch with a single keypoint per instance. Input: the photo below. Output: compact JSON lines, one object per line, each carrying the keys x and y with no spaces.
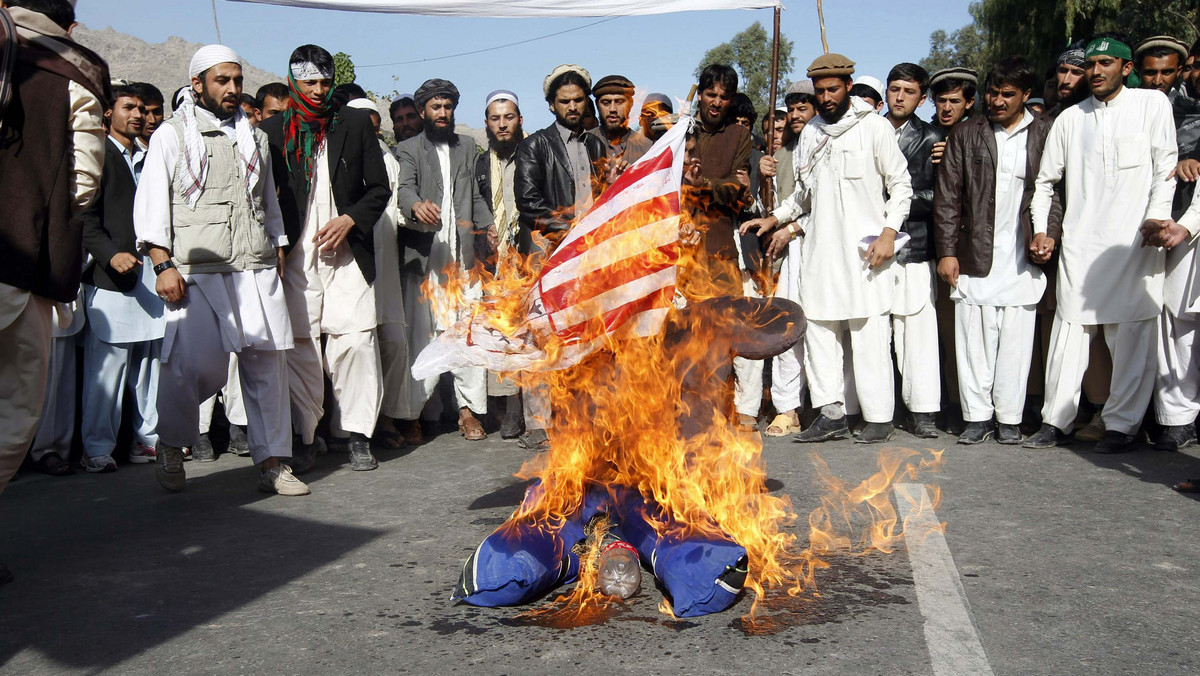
{"x":163,"y":267}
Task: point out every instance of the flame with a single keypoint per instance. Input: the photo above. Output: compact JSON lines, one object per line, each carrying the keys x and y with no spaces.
{"x":616,"y":421}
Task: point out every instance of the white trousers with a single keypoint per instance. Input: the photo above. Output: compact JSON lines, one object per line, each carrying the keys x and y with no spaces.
{"x":1132,"y":345}
{"x":109,"y":369}
{"x":395,"y":366}
{"x":352,"y":363}
{"x":747,"y":373}
{"x":918,"y":360}
{"x":870,"y":360}
{"x":57,"y":427}
{"x":1177,"y":382}
{"x":788,"y":379}
{"x":994,"y":348}
{"x":535,"y":404}
{"x":231,"y":399}
{"x":197,"y":369}
{"x":24,"y":365}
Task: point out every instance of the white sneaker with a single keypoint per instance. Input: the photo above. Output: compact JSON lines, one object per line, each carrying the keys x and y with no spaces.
{"x":99,"y":464}
{"x":279,"y":480}
{"x":141,"y":454}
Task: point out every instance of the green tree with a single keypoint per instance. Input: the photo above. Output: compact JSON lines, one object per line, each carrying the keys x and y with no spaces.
{"x":749,"y":53}
{"x":343,"y":69}
{"x":967,"y":46}
{"x":1040,"y":29}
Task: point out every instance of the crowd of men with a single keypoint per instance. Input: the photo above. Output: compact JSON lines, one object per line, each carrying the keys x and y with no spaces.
{"x":270,"y":251}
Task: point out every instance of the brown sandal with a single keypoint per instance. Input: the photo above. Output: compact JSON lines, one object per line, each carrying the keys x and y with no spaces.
{"x":471,"y":428}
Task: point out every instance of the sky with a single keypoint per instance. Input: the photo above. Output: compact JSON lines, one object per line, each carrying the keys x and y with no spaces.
{"x":396,"y":53}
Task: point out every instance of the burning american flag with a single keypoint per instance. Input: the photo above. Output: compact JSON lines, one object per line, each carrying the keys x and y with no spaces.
{"x":612,"y":276}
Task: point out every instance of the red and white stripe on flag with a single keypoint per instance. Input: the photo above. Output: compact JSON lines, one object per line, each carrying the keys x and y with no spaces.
{"x":615,"y":270}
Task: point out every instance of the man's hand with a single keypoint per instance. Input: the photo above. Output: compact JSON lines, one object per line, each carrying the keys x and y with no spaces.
{"x":1041,"y":248}
{"x":743,"y":177}
{"x":767,"y":165}
{"x":333,"y":234}
{"x":493,"y":238}
{"x":124,"y":262}
{"x":427,"y":212}
{"x":882,"y":249}
{"x":939,"y":149}
{"x":1166,"y":234}
{"x":1187,"y":171}
{"x":691,"y":173}
{"x":778,"y":242}
{"x":170,"y":286}
{"x":615,"y":169}
{"x":948,"y":270}
{"x":279,"y":261}
{"x":761,"y":225}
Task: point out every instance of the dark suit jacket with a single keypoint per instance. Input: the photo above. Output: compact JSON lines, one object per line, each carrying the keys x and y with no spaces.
{"x":360,"y":182}
{"x":108,"y":224}
{"x":916,"y":143}
{"x":544,"y":189}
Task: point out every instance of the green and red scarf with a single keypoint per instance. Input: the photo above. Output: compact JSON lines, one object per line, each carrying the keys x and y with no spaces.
{"x":305,"y":125}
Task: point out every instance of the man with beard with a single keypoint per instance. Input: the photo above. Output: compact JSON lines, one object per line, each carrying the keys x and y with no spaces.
{"x":987,"y":251}
{"x":1115,"y":151}
{"x":125,"y":317}
{"x":152,"y":101}
{"x":333,"y":187}
{"x":846,"y":160}
{"x":1160,"y":62}
{"x":207,"y":215}
{"x":446,"y":224}
{"x":1069,"y":75}
{"x":723,"y":148}
{"x":406,"y":119}
{"x":614,"y":100}
{"x":273,"y":99}
{"x":914,"y":320}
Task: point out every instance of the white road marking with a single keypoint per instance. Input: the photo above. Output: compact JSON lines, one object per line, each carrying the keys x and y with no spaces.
{"x":950,"y":632}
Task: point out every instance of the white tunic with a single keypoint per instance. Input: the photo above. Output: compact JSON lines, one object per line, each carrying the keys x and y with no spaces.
{"x":249,"y":305}
{"x":1013,"y":280}
{"x":389,"y":301}
{"x":1115,"y":158}
{"x":845,"y":196}
{"x":1183,"y":268}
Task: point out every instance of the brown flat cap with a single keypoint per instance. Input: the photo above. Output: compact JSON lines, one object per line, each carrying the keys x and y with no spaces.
{"x":1165,"y":41}
{"x":612,"y":84}
{"x":831,"y":65}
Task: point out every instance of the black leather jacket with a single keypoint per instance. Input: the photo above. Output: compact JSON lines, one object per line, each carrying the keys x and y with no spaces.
{"x":916,"y":142}
{"x":544,"y":190}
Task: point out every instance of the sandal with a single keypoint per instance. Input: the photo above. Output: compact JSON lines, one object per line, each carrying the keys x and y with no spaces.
{"x":411,"y":433}
{"x":53,"y":465}
{"x":471,"y":428}
{"x":388,"y":436}
{"x":782,"y":426}
{"x":1189,"y":486}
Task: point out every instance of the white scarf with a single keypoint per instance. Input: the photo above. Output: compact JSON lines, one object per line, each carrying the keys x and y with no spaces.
{"x":195,"y":153}
{"x":814,"y":145}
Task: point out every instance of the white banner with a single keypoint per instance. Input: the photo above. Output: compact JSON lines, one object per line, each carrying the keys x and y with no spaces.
{"x":525,"y":8}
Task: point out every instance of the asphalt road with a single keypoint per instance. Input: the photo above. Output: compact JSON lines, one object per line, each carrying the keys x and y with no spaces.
{"x":1070,"y":563}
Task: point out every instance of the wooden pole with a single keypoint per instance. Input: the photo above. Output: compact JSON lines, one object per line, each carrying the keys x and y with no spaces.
{"x":821,"y":20}
{"x":767,"y":186}
{"x":215,"y":22}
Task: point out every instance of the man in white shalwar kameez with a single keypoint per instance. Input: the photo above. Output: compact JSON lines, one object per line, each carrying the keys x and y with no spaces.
{"x":1115,"y":151}
{"x":845,"y":161}
{"x":207,"y":215}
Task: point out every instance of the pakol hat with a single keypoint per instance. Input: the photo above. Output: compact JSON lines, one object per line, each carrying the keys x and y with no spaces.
{"x":1162,"y":41}
{"x":566,"y":68}
{"x":831,"y":65}
{"x":959,"y":73}
{"x":800,"y":87}
{"x":612,"y":84}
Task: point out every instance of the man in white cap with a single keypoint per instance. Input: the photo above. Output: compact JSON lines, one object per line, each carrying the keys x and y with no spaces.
{"x":56,"y":88}
{"x":846,"y":161}
{"x":869,"y":88}
{"x":206,"y":214}
{"x":446,"y":225}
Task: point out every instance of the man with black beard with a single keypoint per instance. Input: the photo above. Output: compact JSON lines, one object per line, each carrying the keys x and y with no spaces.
{"x":206,"y":213}
{"x":614,"y":100}
{"x":1069,"y":76}
{"x":447,"y":221}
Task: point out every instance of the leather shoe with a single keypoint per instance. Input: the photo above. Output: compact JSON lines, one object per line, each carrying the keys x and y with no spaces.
{"x":875,"y":433}
{"x":1048,"y":436}
{"x":924,"y":425}
{"x":1009,"y":435}
{"x":823,"y":429}
{"x":976,"y":433}
{"x":1116,"y":442}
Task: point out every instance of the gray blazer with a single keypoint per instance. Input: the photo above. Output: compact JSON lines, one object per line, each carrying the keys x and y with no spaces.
{"x":421,"y":179}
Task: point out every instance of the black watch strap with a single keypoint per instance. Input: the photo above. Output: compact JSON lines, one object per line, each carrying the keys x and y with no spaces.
{"x":163,"y":267}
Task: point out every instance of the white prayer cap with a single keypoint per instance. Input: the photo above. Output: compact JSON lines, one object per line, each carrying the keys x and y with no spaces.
{"x":210,"y":55}
{"x":363,"y":104}
{"x":873,"y":83}
{"x":501,"y":95}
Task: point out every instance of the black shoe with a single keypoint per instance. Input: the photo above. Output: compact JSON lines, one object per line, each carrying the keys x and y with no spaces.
{"x":1048,"y":436}
{"x":875,"y":433}
{"x":203,"y":450}
{"x":1009,"y":435}
{"x":239,"y":445}
{"x":304,"y":456}
{"x":534,"y":440}
{"x":1116,"y":442}
{"x":361,"y":459}
{"x":924,"y":425}
{"x":977,"y":433}
{"x":823,"y":429}
{"x":514,"y":418}
{"x":1176,"y":437}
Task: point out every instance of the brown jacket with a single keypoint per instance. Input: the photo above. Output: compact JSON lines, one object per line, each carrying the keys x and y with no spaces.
{"x":722,"y":154}
{"x":964,"y":203}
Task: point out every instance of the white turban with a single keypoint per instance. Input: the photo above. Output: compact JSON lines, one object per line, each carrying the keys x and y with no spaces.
{"x":362,"y":104}
{"x":210,"y":55}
